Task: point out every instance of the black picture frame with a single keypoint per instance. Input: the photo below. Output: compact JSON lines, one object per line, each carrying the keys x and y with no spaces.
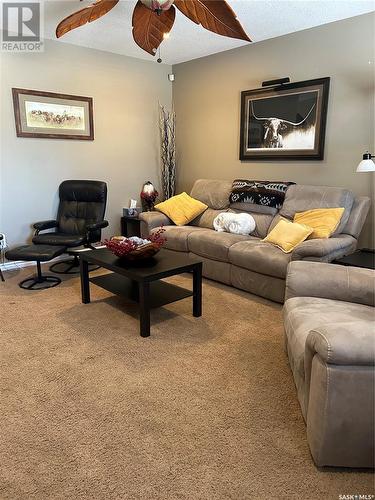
{"x":277,"y":110}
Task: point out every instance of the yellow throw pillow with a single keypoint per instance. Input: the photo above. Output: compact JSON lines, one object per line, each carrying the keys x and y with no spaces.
{"x":181,"y":209}
{"x":324,"y":221}
{"x":287,"y":235}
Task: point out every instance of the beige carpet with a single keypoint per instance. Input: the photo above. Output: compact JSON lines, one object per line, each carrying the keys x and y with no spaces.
{"x":203,"y":409}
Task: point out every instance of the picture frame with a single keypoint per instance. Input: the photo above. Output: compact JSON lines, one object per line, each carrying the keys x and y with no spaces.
{"x":286,"y":122}
{"x":48,"y":115}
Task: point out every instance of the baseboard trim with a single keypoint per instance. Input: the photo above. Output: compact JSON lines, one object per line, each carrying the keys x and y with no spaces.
{"x":17,"y":264}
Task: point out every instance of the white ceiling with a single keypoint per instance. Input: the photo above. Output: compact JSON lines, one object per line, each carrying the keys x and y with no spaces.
{"x":261,"y":19}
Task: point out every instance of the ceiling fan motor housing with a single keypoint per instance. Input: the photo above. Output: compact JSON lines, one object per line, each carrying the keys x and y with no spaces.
{"x":157,"y":5}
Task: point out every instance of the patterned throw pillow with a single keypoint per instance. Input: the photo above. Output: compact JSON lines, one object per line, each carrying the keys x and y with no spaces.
{"x":267,"y":193}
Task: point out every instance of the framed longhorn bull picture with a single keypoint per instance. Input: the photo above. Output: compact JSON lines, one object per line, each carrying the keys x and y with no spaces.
{"x":286,"y":122}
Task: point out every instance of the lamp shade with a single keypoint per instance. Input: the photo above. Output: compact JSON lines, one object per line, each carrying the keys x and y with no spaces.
{"x":366,"y":166}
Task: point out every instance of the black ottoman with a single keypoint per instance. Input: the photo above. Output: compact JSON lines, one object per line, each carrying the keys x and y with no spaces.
{"x":39,"y":253}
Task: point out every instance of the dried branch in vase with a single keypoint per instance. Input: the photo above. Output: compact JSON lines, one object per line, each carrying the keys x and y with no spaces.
{"x":167,"y":125}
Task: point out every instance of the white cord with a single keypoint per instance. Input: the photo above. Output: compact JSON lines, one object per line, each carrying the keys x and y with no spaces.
{"x":3,"y":245}
{"x":3,"y":241}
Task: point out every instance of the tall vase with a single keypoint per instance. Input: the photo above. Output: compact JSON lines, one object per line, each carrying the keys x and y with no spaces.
{"x":167,"y":126}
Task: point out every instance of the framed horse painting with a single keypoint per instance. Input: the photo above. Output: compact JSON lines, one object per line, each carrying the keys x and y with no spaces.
{"x":284,"y":122}
{"x":47,"y":115}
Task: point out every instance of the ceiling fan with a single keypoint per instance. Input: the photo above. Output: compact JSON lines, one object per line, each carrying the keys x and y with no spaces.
{"x":153,"y":19}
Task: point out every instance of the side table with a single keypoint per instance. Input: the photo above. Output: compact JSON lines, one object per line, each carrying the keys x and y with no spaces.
{"x":130,"y":226}
{"x":361,"y":258}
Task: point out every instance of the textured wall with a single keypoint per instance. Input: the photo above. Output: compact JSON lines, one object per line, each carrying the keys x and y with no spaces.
{"x":124,"y":153}
{"x":206,"y":96}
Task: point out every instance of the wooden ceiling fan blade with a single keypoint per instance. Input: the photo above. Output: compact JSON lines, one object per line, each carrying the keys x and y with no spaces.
{"x":214,"y":15}
{"x":224,"y":14}
{"x":189,"y":8}
{"x":83,"y":16}
{"x":149,"y":27}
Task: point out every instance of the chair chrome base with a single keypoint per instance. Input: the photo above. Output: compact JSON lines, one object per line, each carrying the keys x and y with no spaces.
{"x":70,"y":266}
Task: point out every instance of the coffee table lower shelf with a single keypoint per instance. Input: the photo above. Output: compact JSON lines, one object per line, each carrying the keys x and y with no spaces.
{"x":143,"y":282}
{"x":161,"y":293}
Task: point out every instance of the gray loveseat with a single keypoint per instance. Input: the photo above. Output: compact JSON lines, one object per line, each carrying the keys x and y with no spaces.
{"x":330,"y":340}
{"x":246,"y":262}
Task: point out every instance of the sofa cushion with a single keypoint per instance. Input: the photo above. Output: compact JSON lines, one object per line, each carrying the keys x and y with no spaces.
{"x":358,"y":213}
{"x":262,"y":220}
{"x":214,"y":269}
{"x":177,"y":236}
{"x":253,"y":207}
{"x":214,"y":193}
{"x":207,"y":218}
{"x":213,"y":245}
{"x":303,"y":314}
{"x":260,"y":257}
{"x":300,"y":198}
{"x":274,"y":222}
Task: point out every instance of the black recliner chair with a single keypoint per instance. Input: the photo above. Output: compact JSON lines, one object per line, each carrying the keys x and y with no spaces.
{"x":80,"y":219}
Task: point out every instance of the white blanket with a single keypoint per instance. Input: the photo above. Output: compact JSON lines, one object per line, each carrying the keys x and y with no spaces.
{"x":234,"y":223}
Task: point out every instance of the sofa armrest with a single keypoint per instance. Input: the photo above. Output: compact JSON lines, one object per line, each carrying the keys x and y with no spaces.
{"x":330,"y":281}
{"x":343,"y":344}
{"x":44,"y":224}
{"x":339,"y":383}
{"x":325,"y":250}
{"x":151,"y":220}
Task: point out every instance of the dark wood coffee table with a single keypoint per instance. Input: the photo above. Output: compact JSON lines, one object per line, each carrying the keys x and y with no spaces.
{"x":141,"y":282}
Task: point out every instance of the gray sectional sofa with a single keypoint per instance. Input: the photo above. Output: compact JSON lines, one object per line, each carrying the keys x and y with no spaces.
{"x":330,"y":340}
{"x":328,"y":311}
{"x":246,"y":262}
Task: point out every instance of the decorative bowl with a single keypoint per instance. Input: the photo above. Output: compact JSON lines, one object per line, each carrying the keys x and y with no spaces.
{"x":141,"y":253}
{"x":134,"y":248}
